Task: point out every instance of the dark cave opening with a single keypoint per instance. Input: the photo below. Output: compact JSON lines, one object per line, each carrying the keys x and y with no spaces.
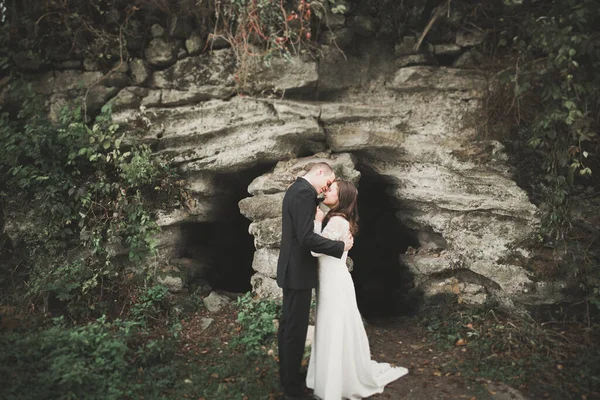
{"x":384,"y":287}
{"x":225,"y":244}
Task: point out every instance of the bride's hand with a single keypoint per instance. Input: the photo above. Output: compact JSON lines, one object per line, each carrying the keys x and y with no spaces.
{"x":320,"y":215}
{"x":348,"y":241}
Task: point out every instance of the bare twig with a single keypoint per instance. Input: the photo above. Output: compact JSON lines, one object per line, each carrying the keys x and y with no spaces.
{"x":438,"y":13}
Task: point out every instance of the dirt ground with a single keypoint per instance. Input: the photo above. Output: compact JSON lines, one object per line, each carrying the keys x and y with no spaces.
{"x":399,"y":341}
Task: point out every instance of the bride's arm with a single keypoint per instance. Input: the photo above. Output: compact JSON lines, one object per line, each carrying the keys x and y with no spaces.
{"x":318,"y":227}
{"x":336,"y":229}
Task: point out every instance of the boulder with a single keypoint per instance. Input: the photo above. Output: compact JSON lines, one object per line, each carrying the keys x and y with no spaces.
{"x":126,"y":99}
{"x":215,"y":302}
{"x":161,"y":53}
{"x":205,"y":323}
{"x":169,"y":277}
{"x":265,"y":287}
{"x":157,"y":31}
{"x":406,"y":46}
{"x":265,"y":261}
{"x":203,"y":288}
{"x":267,"y":233}
{"x":467,"y":38}
{"x":97,"y":97}
{"x":116,"y":79}
{"x":449,"y":49}
{"x":261,"y":207}
{"x":139,"y":71}
{"x":194,"y":44}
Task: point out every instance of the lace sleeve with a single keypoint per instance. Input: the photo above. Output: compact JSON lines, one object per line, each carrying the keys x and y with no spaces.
{"x":318,"y":227}
{"x":336,"y":229}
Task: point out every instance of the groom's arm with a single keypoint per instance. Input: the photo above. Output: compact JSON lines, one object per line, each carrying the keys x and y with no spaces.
{"x":303,"y":216}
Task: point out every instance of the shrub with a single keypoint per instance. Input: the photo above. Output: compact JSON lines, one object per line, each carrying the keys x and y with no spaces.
{"x":87,"y":199}
{"x":256,"y":317}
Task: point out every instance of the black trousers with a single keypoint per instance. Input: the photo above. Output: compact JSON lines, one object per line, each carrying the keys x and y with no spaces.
{"x":292,"y":337}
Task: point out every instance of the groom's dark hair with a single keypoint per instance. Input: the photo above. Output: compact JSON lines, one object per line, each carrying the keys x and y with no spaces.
{"x":321,"y":165}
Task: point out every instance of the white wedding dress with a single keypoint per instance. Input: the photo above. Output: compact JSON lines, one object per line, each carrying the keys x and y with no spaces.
{"x":340,"y":365}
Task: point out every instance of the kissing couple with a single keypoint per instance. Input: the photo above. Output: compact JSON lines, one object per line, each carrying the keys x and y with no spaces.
{"x":313,"y":253}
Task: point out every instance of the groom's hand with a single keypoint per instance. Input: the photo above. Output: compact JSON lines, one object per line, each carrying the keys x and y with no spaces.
{"x":348,"y":241}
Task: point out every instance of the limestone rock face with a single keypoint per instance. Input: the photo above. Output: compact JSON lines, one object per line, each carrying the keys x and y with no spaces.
{"x":214,"y":70}
{"x":453,"y":191}
{"x":228,"y":136}
{"x":425,"y":78}
{"x":393,"y":113}
{"x":284,"y":75}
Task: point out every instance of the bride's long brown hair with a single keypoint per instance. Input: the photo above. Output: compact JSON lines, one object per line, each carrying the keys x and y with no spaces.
{"x":347,"y":206}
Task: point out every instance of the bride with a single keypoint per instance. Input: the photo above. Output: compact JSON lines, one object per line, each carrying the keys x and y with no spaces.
{"x":340,"y":365}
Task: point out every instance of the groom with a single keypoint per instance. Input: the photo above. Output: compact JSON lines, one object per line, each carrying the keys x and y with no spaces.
{"x":297,"y":271}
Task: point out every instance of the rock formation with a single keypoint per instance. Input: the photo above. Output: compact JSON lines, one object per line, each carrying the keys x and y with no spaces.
{"x":387,"y":111}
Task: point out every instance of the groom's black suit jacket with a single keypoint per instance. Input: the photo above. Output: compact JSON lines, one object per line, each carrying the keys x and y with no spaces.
{"x":297,"y":268}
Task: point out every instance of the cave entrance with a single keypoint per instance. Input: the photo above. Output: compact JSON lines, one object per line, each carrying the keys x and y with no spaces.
{"x":223,"y":249}
{"x":384,"y":287}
